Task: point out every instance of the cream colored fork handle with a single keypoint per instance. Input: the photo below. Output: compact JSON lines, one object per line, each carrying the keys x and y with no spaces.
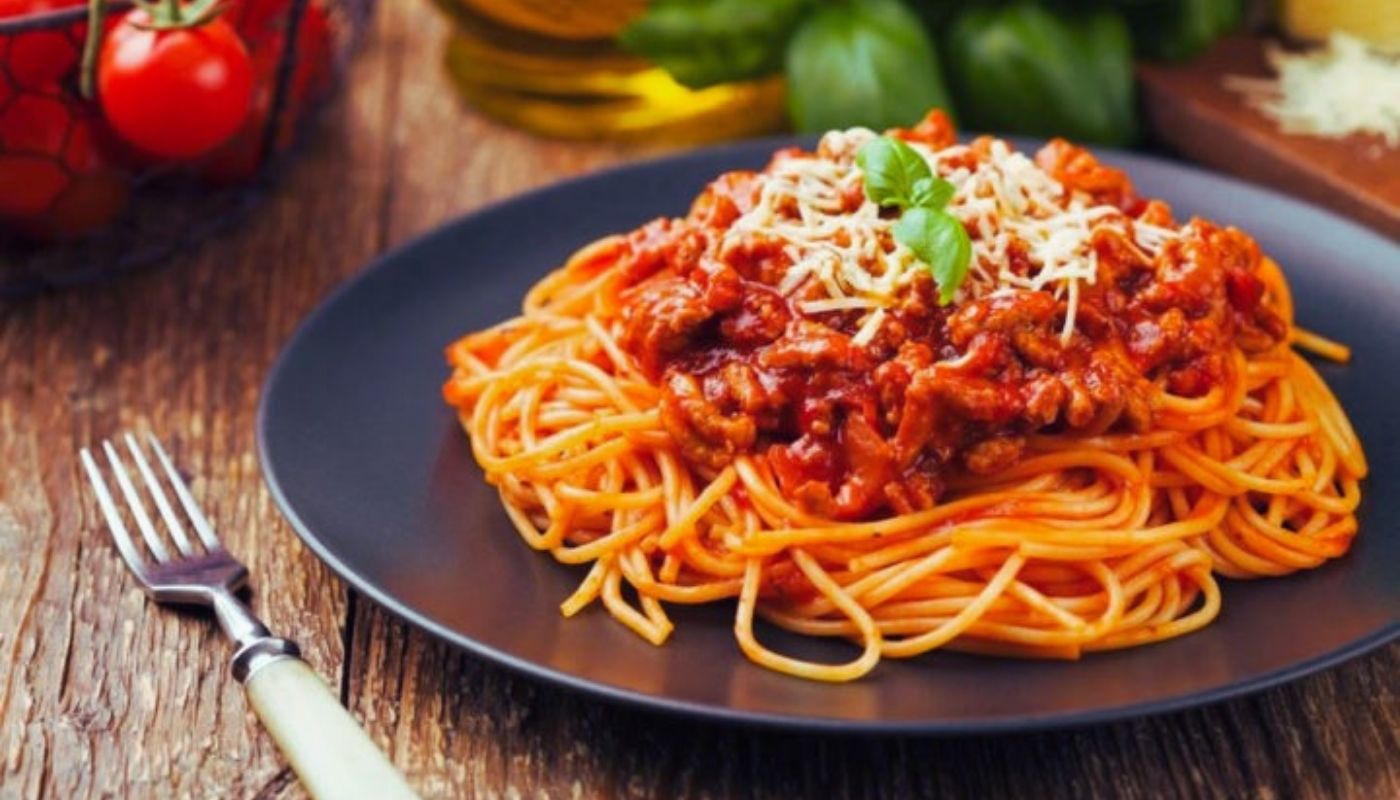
{"x":331,"y":754}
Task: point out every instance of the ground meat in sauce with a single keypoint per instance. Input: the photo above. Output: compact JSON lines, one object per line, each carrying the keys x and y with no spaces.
{"x":852,"y":431}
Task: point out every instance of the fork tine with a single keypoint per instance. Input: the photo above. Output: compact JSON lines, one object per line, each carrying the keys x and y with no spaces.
{"x":153,"y":487}
{"x":201,"y":524}
{"x":114,"y":519}
{"x":138,"y":509}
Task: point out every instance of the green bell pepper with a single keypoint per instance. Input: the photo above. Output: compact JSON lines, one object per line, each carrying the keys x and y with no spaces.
{"x":862,"y":62}
{"x":1175,"y":30}
{"x":1021,"y":68}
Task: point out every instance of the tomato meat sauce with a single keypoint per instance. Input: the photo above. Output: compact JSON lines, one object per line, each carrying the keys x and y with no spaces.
{"x":854,"y":430}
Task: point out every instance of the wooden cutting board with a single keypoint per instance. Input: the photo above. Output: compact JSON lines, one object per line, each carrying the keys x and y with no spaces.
{"x":1191,"y":111}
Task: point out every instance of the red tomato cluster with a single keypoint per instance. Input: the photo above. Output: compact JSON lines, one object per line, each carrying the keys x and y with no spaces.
{"x":34,"y":59}
{"x":196,"y":95}
{"x":54,"y":176}
{"x":262,"y":21}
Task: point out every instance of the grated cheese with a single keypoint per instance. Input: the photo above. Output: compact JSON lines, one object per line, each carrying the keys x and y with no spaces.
{"x":869,"y":328}
{"x":838,"y":304}
{"x":844,"y":261}
{"x":1339,"y":90}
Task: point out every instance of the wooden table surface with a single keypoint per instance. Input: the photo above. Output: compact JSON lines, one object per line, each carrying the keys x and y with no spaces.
{"x":101,"y":695}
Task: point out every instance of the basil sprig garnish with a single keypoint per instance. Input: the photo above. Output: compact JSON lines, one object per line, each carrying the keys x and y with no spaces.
{"x":897,"y":176}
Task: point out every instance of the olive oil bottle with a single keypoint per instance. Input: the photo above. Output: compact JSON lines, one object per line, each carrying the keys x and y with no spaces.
{"x":553,"y":67}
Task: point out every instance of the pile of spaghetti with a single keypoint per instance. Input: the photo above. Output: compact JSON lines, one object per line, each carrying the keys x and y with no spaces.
{"x":765,"y":400}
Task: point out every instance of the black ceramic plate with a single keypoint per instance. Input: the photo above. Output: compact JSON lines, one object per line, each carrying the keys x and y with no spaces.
{"x":376,"y":477}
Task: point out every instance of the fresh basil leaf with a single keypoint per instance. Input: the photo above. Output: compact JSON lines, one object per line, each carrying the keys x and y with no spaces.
{"x":705,"y":42}
{"x":932,"y":192}
{"x":892,"y":170}
{"x":940,"y":241}
{"x":862,"y":62}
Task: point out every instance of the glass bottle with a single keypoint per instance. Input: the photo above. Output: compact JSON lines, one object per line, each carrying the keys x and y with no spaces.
{"x":552,"y":67}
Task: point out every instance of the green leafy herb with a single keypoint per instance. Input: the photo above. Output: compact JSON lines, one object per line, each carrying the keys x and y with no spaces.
{"x":705,"y":42}
{"x":932,"y":192}
{"x":892,"y":170}
{"x":940,"y":241}
{"x":862,"y":62}
{"x":897,"y":176}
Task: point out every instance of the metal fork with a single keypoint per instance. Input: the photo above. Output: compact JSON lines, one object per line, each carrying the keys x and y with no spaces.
{"x":330,"y":752}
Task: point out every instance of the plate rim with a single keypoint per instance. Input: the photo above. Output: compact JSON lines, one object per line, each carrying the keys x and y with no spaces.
{"x":661,"y":704}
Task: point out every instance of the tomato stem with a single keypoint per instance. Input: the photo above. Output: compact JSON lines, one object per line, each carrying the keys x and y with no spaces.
{"x":174,"y":15}
{"x":92,"y":43}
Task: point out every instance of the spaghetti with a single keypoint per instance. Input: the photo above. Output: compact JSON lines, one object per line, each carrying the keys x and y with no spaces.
{"x":686,"y":451}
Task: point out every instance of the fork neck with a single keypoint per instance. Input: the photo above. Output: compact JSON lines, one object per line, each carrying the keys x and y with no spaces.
{"x":257,"y":647}
{"x":238,"y":622}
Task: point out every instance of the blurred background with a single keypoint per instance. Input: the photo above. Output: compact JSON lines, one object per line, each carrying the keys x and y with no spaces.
{"x":105,"y":167}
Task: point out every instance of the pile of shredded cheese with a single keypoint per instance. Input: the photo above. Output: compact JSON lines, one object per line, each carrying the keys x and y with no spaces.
{"x":854,"y":258}
{"x":1339,"y":90}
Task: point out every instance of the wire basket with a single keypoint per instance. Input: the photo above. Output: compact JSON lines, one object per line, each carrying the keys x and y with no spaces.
{"x":77,"y":205}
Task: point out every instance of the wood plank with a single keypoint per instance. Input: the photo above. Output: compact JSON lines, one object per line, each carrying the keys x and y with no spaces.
{"x":1190,"y":109}
{"x":101,"y":694}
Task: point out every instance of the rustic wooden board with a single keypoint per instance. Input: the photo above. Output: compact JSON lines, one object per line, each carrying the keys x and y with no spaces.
{"x":1191,"y":111}
{"x":103,"y":696}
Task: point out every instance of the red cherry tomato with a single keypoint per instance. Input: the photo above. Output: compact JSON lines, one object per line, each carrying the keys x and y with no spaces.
{"x":37,"y":57}
{"x":55,"y":178}
{"x":315,"y":55}
{"x":31,"y":184}
{"x":33,"y":129}
{"x":238,"y":159}
{"x":257,"y":18}
{"x":97,"y":190}
{"x":90,"y":202}
{"x":242,"y":156}
{"x":174,"y":93}
{"x":36,"y":122}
